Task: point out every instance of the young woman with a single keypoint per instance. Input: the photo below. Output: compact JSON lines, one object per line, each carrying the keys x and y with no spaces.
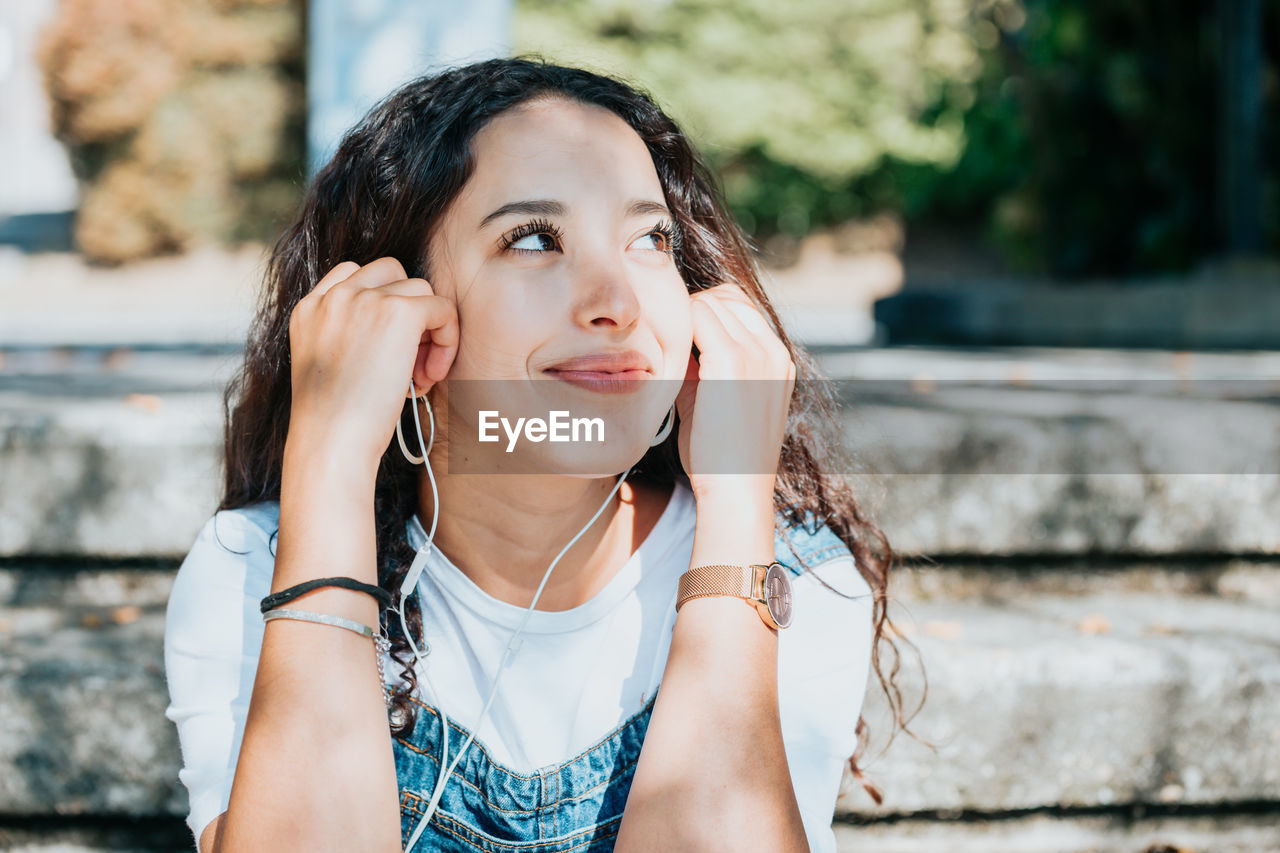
{"x":490,"y":238}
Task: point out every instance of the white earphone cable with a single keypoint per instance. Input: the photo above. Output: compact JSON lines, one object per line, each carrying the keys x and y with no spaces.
{"x":410,"y":584}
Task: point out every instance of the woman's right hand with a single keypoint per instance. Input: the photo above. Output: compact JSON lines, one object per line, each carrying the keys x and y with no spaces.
{"x":354,"y":341}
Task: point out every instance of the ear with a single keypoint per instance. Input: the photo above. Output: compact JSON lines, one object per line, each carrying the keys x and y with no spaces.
{"x":421,"y":381}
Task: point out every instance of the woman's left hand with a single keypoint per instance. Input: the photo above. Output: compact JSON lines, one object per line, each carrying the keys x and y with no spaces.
{"x":731,"y":432}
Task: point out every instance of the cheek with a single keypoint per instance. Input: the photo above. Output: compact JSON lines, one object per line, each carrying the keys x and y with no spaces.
{"x":489,"y":341}
{"x":496,"y":337}
{"x":673,"y":324}
{"x":486,"y":324}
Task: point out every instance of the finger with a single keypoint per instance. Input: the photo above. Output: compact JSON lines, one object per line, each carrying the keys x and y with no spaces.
{"x":735,"y":300}
{"x":732,"y":325}
{"x":752,"y":314}
{"x":438,"y":313}
{"x":755,"y":322}
{"x":732,"y":291}
{"x":709,"y":333}
{"x":444,"y":347}
{"x":439,"y":361}
{"x":377,"y":273}
{"x":406,"y":287}
{"x":437,"y":316}
{"x":688,"y":393}
{"x":338,"y":274}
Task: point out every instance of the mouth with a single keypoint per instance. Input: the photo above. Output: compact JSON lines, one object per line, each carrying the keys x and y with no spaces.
{"x":601,"y":381}
{"x":605,"y":373}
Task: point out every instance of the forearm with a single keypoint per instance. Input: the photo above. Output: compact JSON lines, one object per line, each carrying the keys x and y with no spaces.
{"x":315,"y":769}
{"x":713,"y":772}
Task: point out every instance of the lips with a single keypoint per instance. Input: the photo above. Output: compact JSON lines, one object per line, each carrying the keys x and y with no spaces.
{"x":608,"y":373}
{"x":604,"y":362}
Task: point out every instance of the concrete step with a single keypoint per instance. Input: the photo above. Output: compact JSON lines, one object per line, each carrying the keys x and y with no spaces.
{"x":1078,"y":686}
{"x":52,"y":299}
{"x":1230,"y":306}
{"x":1118,"y":687}
{"x":1121,"y":832}
{"x":115,"y":452}
{"x":1038,"y":833}
{"x":82,"y":693}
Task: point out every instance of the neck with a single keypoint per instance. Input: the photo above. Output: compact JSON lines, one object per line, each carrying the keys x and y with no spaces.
{"x":504,"y":531}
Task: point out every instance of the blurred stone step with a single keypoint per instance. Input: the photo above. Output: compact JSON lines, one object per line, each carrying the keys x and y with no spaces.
{"x":1076,"y":687}
{"x":203,"y":297}
{"x":116,"y":452}
{"x":1118,"y":691}
{"x":1228,"y":308}
{"x":144,"y":835}
{"x":82,"y":694}
{"x":1068,"y":833}
{"x":1059,"y":833}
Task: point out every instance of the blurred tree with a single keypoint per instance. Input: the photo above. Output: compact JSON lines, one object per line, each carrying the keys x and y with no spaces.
{"x":1085,"y":138}
{"x":798,"y":105}
{"x":1094,"y":142}
{"x":183,"y":118}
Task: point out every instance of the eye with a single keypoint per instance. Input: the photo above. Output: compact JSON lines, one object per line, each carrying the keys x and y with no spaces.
{"x":664,"y":237}
{"x":540,"y":235}
{"x":543,"y":241}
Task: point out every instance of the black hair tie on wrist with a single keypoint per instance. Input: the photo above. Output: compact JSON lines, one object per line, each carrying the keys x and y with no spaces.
{"x":284,"y":595}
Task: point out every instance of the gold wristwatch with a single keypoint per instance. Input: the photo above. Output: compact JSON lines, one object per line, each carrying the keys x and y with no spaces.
{"x":766,"y":586}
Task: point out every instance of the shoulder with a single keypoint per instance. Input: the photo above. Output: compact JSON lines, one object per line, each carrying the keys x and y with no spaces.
{"x":831,"y":601}
{"x":247,"y":527}
{"x":245,"y":535}
{"x":233,"y":556}
{"x":804,"y":545}
{"x":817,"y":557}
{"x":824,"y":660}
{"x":212,"y":633}
{"x":824,"y":656}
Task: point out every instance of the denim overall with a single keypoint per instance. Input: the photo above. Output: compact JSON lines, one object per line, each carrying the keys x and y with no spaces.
{"x":575,"y":806}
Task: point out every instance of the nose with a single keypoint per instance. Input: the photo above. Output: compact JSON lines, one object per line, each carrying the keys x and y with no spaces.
{"x":604,"y":295}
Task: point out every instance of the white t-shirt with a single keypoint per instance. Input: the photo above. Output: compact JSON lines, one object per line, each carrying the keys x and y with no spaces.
{"x":603,"y":659}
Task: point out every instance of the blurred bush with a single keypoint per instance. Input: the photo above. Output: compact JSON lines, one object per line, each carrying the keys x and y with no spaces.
{"x":1080,"y":137}
{"x":184,"y":118}
{"x":1094,"y":136}
{"x":796,"y":104}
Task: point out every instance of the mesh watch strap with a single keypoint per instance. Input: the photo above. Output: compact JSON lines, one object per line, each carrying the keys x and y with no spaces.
{"x":740,"y":581}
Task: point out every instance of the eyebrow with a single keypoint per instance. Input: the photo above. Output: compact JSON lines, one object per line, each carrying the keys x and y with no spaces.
{"x":550,"y":207}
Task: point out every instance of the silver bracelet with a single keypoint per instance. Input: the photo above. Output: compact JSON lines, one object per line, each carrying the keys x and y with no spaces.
{"x":380,"y":642}
{"x":323,"y":618}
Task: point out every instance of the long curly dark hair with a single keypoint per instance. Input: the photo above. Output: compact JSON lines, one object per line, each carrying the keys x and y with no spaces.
{"x":382,"y":194}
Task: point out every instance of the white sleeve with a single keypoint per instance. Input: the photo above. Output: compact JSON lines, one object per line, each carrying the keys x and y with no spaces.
{"x":212,"y":639}
{"x":822,"y":679}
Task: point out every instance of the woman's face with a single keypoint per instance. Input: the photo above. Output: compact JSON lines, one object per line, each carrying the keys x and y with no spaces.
{"x":558,"y":247}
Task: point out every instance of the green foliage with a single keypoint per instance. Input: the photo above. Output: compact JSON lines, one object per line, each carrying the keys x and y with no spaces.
{"x":1082,"y":135}
{"x":798,"y":105}
{"x":1091,"y":141}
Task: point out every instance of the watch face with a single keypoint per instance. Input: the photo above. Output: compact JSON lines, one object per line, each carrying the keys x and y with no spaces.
{"x":777,"y":594}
